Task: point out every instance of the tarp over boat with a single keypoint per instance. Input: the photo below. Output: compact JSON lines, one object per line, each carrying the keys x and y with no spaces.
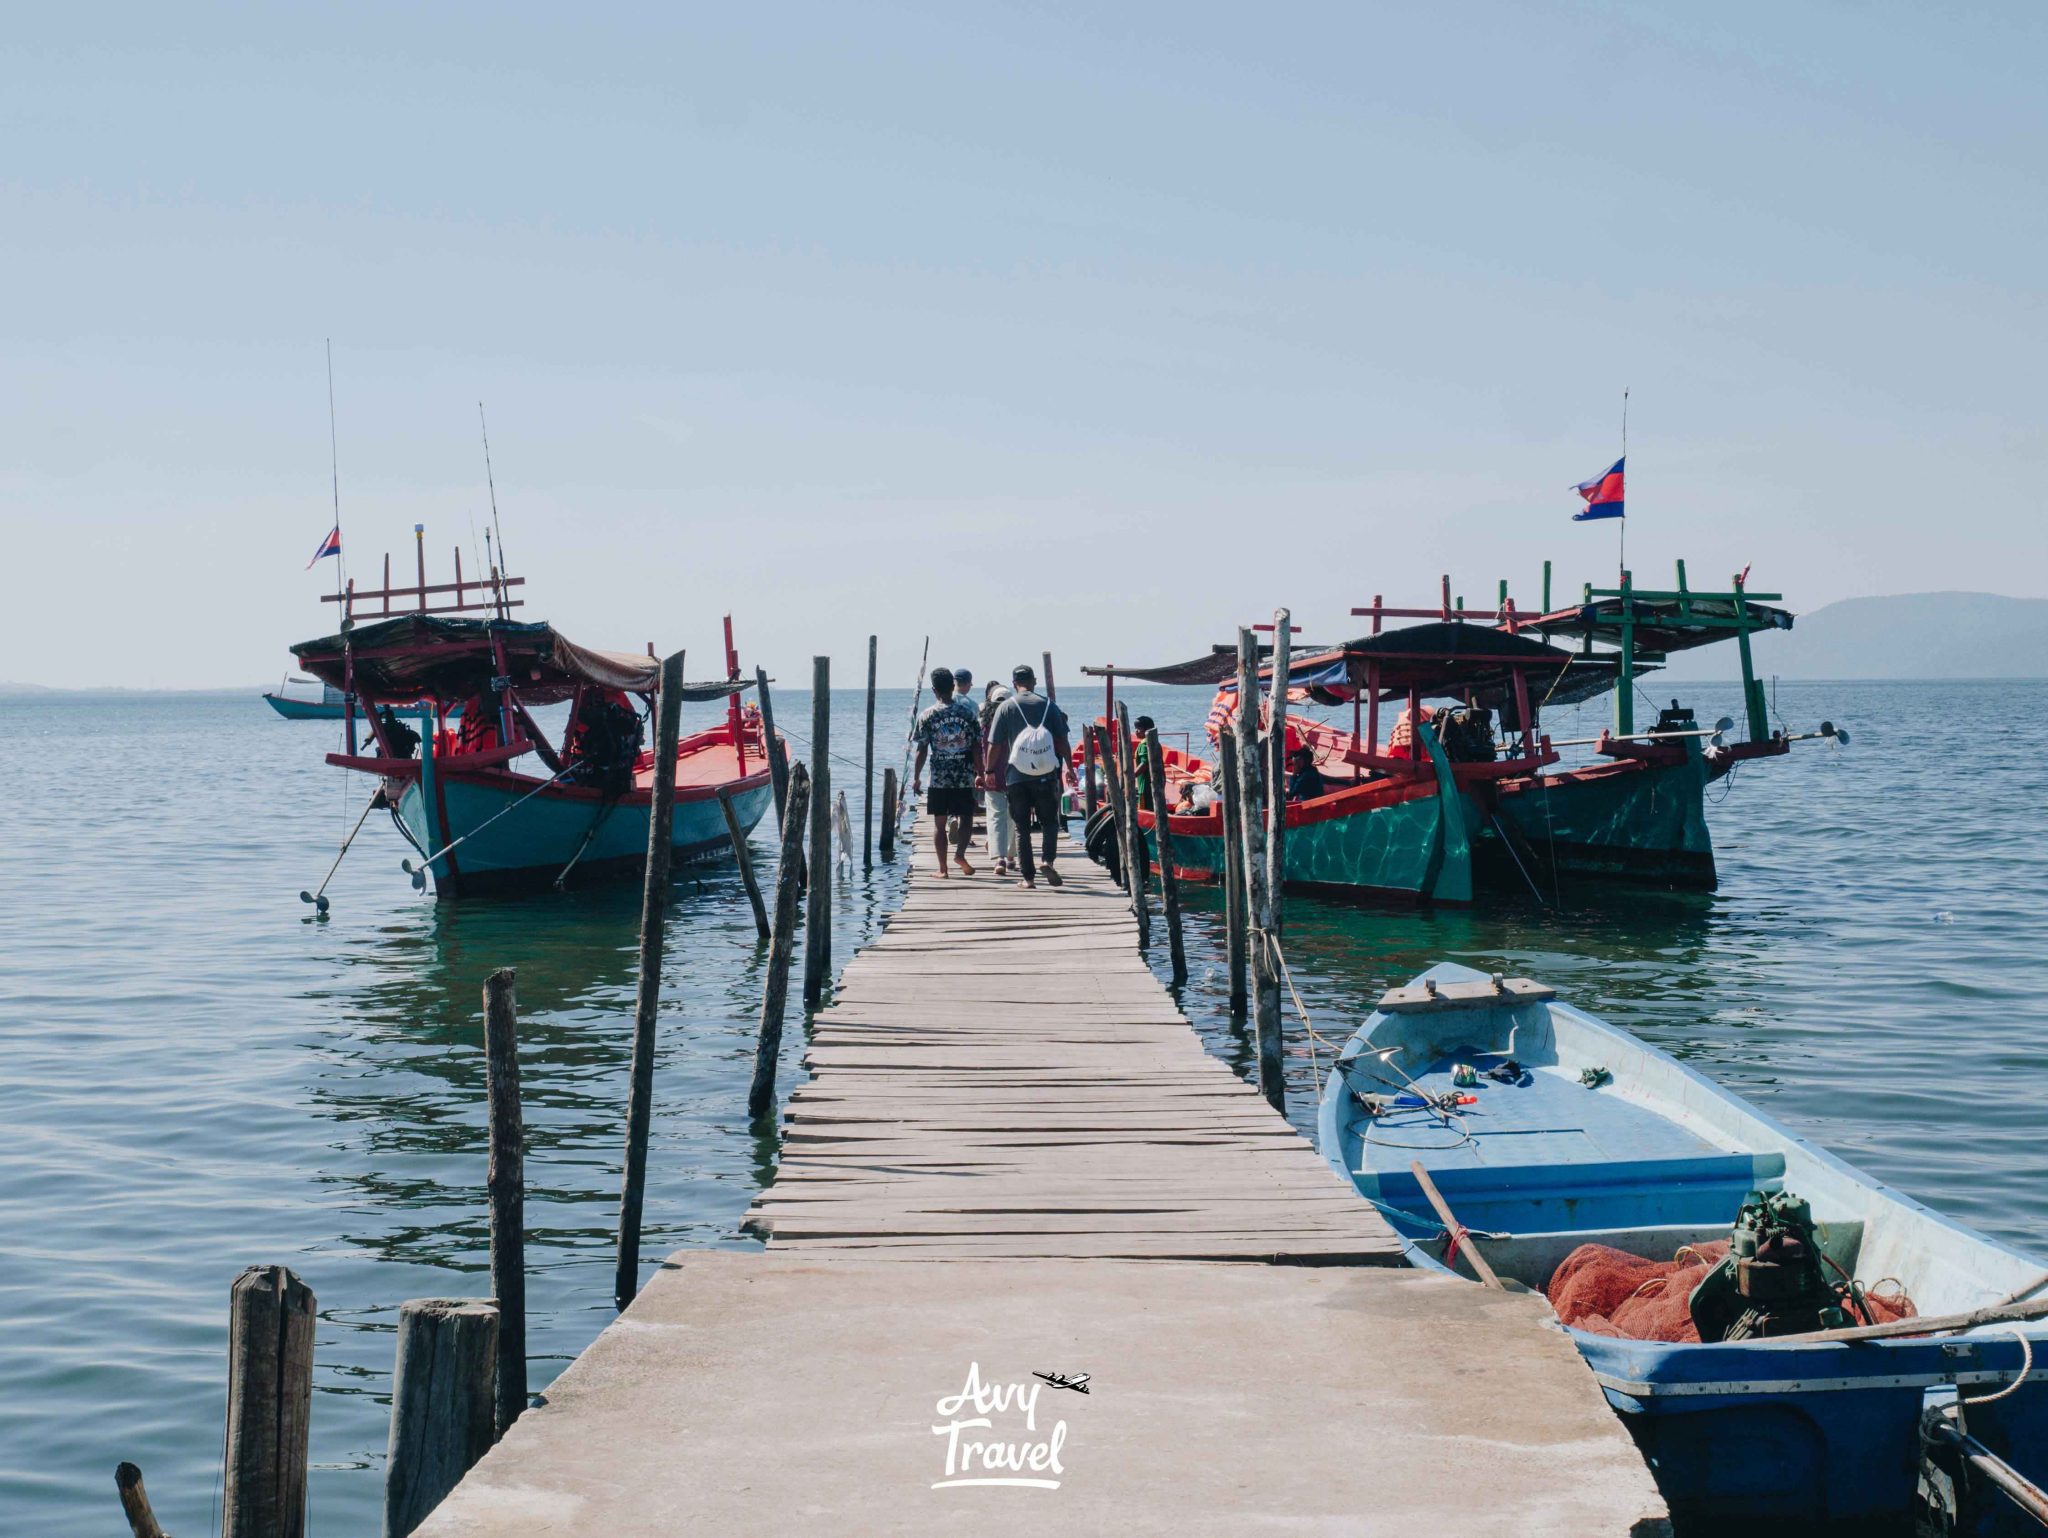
{"x":397,"y":661}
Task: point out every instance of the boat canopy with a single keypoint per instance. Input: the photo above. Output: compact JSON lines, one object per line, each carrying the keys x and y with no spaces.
{"x":399,"y":661}
{"x":1217,"y":665}
{"x":1443,"y":657}
{"x":1662,"y":624}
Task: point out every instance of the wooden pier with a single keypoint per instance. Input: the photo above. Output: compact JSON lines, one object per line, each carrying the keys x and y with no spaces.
{"x":1015,"y":1159}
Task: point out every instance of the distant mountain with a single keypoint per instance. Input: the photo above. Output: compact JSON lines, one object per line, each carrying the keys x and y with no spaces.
{"x":1907,"y":635}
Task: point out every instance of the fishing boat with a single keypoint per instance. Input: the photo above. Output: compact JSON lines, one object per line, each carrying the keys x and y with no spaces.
{"x":1394,"y":822}
{"x":314,"y":700}
{"x":492,"y":805}
{"x":1501,"y":1131}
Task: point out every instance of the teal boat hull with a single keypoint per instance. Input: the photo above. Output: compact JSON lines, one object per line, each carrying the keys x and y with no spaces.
{"x":1627,"y":819}
{"x":303,"y":710}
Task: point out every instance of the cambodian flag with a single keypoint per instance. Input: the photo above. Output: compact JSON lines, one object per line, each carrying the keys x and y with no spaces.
{"x":331,"y":545}
{"x":1602,"y":494}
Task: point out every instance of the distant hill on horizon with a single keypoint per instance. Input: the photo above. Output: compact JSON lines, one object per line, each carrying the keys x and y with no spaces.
{"x":1904,"y":635}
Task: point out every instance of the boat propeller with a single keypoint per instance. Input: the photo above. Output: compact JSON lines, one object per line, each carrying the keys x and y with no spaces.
{"x":318,"y":897}
{"x":1827,"y":729}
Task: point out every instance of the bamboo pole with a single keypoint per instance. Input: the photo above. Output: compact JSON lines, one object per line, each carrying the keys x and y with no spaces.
{"x":1233,"y":868}
{"x":775,"y":991}
{"x":135,"y":1502}
{"x":778,"y":756}
{"x":1451,"y":1223}
{"x":1276,"y":776}
{"x":653,"y":908}
{"x":818,"y":911}
{"x":507,"y":1185}
{"x":1169,"y":880}
{"x":270,"y":1404}
{"x":440,"y":1404}
{"x":889,"y":812}
{"x":1265,"y":976}
{"x":743,"y":856}
{"x":867,"y":805}
{"x":1127,"y":762}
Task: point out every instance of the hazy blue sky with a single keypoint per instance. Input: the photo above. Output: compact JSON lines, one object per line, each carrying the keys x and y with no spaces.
{"x":1094,"y":327}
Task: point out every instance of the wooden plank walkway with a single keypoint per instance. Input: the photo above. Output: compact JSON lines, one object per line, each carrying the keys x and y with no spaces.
{"x":1005,"y":1093}
{"x":1000,"y":1075}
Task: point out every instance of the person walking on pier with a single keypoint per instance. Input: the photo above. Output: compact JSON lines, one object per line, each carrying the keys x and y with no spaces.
{"x":1000,"y":835}
{"x":1031,"y":757}
{"x":950,"y":733}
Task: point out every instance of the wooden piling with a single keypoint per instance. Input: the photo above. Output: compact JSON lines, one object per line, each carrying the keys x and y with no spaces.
{"x":889,"y":812}
{"x":653,"y":910}
{"x":867,"y":805}
{"x":818,"y":912}
{"x":775,"y":991}
{"x":441,"y":1411}
{"x":1276,"y":776}
{"x":1233,"y":873}
{"x":778,"y":753}
{"x":1169,"y":882}
{"x":1265,"y":976}
{"x":1112,"y":785}
{"x":507,"y":1184}
{"x":1051,"y":692}
{"x":270,"y":1403}
{"x":743,"y":856}
{"x":1089,"y":798}
{"x":135,"y":1502}
{"x":1127,"y":763}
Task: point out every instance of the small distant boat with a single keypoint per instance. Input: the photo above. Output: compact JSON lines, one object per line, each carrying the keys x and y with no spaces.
{"x":1602,"y":1139}
{"x":315,"y":701}
{"x":329,"y":704}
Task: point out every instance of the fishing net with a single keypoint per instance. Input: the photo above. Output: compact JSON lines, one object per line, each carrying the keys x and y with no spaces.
{"x":1605,"y":1291}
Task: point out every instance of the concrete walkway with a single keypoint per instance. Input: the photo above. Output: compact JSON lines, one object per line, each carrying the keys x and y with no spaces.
{"x":1004,"y":1093}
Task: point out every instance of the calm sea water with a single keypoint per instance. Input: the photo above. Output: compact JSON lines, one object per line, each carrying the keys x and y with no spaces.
{"x":194,"y":1076}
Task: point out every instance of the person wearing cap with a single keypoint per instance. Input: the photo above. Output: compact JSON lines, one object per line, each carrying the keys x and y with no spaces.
{"x":963,"y":827}
{"x":1030,"y":760}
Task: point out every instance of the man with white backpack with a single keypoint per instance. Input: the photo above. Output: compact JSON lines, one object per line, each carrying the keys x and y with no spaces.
{"x":1030,"y":762}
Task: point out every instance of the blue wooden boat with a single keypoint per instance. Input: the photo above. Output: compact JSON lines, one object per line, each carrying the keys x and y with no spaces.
{"x":324,"y":703}
{"x":1652,"y":1157}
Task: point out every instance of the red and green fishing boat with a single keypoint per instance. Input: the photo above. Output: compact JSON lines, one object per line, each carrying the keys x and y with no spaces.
{"x":1393,"y":822}
{"x":492,"y":805}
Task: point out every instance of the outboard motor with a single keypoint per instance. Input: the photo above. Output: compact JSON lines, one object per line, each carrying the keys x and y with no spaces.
{"x":1770,"y":1282}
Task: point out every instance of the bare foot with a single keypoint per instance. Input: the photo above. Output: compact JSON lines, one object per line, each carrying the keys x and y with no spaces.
{"x":961,"y":864}
{"x":942,"y":869}
{"x":1027,"y":882}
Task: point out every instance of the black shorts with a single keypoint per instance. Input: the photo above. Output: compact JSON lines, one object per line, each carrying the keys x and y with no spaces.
{"x":950,"y":801}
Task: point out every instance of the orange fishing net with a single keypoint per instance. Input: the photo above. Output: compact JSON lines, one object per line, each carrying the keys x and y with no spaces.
{"x":1605,"y":1291}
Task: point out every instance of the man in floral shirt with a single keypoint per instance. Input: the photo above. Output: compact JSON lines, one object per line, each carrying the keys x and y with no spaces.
{"x":950,"y":734}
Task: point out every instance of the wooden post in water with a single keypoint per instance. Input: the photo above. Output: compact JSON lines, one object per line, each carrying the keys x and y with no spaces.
{"x":775,"y":992}
{"x":1276,"y":777}
{"x":867,"y":805}
{"x":1233,"y":867}
{"x":1089,"y":799}
{"x":1127,"y":763}
{"x":1169,"y":882}
{"x":270,"y":1404}
{"x":653,"y":910}
{"x":1265,"y":975}
{"x":1112,"y":786}
{"x":135,"y":1502}
{"x":818,"y":912}
{"x":778,"y":756}
{"x":1051,"y":692}
{"x":441,"y":1415}
{"x":743,"y":856}
{"x":507,"y":1183}
{"x":889,"y":812}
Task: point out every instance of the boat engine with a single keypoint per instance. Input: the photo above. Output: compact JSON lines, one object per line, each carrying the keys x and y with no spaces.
{"x":1770,"y":1282}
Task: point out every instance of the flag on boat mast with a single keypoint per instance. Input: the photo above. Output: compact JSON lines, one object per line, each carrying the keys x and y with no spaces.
{"x":331,"y":545}
{"x":1604,"y":494}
